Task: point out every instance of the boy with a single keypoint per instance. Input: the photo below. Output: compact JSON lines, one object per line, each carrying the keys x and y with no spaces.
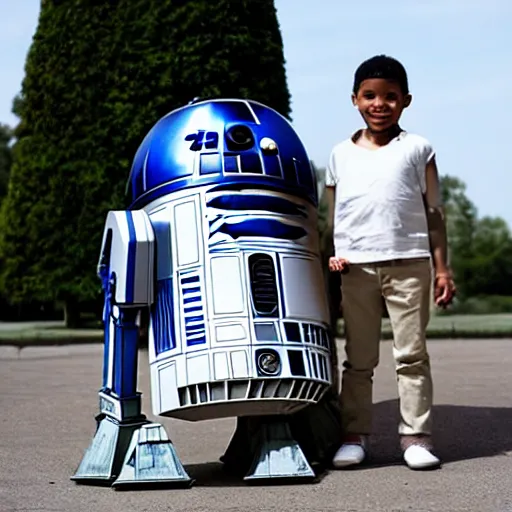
{"x":389,"y":232}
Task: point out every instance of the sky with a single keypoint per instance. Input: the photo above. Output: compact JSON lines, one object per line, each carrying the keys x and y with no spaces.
{"x":458,"y":54}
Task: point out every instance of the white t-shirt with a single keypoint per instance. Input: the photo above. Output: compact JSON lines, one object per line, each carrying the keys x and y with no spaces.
{"x":379,"y":211}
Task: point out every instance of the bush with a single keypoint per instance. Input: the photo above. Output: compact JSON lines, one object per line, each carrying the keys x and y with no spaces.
{"x":457,"y":326}
{"x":481,"y":305}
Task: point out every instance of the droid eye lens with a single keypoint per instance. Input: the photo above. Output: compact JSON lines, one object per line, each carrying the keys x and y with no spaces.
{"x":239,"y":137}
{"x":268,"y":362}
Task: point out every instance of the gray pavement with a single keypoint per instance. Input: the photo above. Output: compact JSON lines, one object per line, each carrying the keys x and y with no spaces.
{"x":48,"y":401}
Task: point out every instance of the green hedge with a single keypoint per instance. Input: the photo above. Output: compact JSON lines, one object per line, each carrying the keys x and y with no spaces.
{"x":481,"y":305}
{"x":458,"y":326}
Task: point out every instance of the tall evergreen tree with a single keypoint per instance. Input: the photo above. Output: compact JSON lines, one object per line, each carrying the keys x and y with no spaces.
{"x":98,"y":76}
{"x":5,"y":158}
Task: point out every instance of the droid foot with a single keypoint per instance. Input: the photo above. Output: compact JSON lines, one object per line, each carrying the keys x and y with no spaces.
{"x":151,"y":460}
{"x":104,"y":457}
{"x":279,"y":456}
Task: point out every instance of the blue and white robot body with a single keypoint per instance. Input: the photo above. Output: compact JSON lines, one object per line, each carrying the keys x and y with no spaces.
{"x":220,"y":246}
{"x":238,"y":315}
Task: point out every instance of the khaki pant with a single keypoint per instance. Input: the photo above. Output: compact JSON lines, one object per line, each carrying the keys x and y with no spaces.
{"x":405,"y":287}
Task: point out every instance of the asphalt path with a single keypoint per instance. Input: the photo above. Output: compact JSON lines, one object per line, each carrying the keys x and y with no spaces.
{"x":48,"y":400}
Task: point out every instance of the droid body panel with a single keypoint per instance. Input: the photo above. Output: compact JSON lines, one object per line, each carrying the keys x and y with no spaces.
{"x":239,"y":322}
{"x":220,"y":243}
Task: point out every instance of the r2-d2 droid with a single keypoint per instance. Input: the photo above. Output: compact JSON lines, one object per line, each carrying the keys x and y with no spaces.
{"x":220,"y":246}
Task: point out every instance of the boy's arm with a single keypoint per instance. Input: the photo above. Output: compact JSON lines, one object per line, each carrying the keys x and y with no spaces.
{"x":436,"y":219}
{"x":336,"y":264}
{"x":444,"y":287}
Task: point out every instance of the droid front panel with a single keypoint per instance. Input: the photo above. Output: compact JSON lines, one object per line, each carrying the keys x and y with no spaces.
{"x":239,"y":325}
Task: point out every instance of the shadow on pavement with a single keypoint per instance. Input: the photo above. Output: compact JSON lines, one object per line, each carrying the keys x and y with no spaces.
{"x":214,"y":474}
{"x":460,"y":432}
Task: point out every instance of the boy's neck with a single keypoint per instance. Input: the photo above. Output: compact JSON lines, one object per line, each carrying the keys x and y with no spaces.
{"x":370,"y":138}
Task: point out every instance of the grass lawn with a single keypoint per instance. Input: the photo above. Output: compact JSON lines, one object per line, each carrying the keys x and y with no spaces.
{"x":443,"y":326}
{"x":46,"y":333}
{"x":460,"y":326}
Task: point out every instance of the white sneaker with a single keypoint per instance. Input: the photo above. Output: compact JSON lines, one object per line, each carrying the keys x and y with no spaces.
{"x":418,"y":457}
{"x":349,"y":454}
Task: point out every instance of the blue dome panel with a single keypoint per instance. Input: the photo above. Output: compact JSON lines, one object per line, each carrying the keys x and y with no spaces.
{"x":228,"y":142}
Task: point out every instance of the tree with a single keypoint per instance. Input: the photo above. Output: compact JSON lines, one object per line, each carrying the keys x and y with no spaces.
{"x":461,"y":216}
{"x":488,"y":270}
{"x":97,"y":77}
{"x":5,"y":158}
{"x":480,"y":248}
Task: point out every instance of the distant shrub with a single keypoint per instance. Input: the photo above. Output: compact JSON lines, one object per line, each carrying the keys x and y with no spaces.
{"x":481,"y":305}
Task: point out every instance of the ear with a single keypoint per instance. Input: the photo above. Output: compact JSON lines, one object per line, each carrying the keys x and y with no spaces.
{"x":354,"y":100}
{"x":407,"y":100}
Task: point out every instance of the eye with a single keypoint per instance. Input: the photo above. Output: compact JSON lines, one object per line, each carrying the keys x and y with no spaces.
{"x":368,"y":95}
{"x":239,"y":137}
{"x":391,"y":96}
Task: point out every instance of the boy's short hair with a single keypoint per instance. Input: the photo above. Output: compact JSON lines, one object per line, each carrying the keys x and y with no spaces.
{"x":381,"y":66}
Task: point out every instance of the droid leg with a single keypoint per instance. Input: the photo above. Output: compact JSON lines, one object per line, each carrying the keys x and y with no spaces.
{"x":317,"y":429}
{"x":127,"y":450}
{"x":151,"y":459}
{"x":119,"y":403}
{"x":278,"y":455}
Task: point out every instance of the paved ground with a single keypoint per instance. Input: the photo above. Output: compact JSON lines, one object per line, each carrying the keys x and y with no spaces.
{"x":48,"y":401}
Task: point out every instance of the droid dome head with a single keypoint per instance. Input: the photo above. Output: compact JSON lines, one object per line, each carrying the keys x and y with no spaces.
{"x":226,"y":142}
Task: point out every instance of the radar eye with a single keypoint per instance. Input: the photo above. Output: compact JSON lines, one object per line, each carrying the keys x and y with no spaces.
{"x":239,"y":137}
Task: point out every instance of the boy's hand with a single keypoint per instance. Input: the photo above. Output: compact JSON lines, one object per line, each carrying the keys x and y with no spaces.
{"x":444,"y":290}
{"x":338,"y":265}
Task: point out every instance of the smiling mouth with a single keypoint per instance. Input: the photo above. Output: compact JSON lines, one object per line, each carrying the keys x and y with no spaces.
{"x":379,"y":118}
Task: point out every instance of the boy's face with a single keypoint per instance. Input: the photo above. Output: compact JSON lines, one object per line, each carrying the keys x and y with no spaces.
{"x":381,"y":103}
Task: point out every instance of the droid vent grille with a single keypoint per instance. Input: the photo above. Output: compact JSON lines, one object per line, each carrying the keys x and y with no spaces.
{"x":318,"y":365}
{"x":263,"y":284}
{"x":193,"y":308}
{"x":162,"y":317}
{"x":253,"y":389}
{"x":301,"y":332}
